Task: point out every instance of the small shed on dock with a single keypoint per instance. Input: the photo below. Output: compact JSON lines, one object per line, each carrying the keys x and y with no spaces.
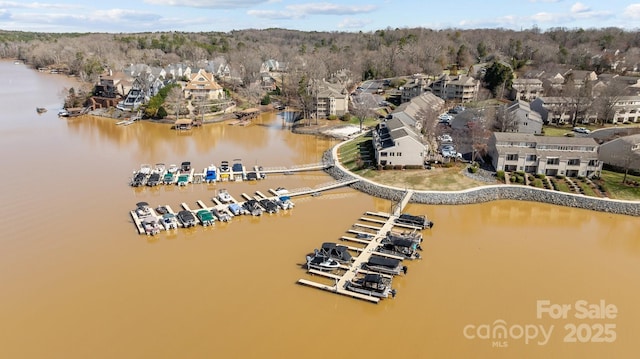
{"x":183,"y":124}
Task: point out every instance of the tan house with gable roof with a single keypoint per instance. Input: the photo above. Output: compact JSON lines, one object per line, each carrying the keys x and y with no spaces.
{"x":203,"y":85}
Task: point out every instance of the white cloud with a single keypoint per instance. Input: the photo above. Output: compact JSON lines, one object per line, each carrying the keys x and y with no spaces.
{"x":632,"y":12}
{"x":34,"y":5}
{"x":331,"y":9}
{"x":351,"y":23}
{"x":579,"y":7}
{"x":211,"y":4}
{"x":274,"y":15}
{"x":534,"y":1}
{"x":304,"y":10}
{"x":123,"y":15}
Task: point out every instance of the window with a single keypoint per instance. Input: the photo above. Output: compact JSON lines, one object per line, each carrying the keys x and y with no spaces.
{"x":512,"y":157}
{"x":398,"y":154}
{"x":573,"y":162}
{"x":593,"y":163}
{"x":532,"y":157}
{"x":383,"y":154}
{"x":553,"y":161}
{"x":391,"y":154}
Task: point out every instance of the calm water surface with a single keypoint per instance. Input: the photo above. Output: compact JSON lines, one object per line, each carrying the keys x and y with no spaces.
{"x":79,"y":282}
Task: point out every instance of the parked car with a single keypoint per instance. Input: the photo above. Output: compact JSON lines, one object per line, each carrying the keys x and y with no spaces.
{"x":451,"y":154}
{"x":581,"y":130}
{"x":445,"y":118}
{"x":445,"y":138}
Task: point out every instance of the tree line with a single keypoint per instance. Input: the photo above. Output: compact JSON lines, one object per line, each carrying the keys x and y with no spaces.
{"x":378,"y":54}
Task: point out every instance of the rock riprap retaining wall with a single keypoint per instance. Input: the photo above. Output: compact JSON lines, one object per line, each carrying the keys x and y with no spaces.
{"x":485,"y":194}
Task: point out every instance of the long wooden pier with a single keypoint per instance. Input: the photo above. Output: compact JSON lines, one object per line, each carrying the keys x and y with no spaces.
{"x":381,"y":224}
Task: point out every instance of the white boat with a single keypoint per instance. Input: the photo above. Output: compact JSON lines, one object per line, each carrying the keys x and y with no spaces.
{"x":237,"y":209}
{"x":169,"y":221}
{"x":221,"y":215}
{"x":151,"y":226}
{"x":285,"y":202}
{"x":141,"y":176}
{"x":321,"y":262}
{"x":170,"y":175}
{"x":224,"y":196}
{"x":211,"y":174}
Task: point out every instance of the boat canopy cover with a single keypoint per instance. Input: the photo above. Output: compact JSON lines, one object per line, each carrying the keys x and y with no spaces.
{"x":373,"y":278}
{"x":382,"y":261}
{"x":142,"y":204}
{"x":168,"y":215}
{"x":185,"y":214}
{"x":336,"y":251}
{"x":401,"y":242}
{"x":285,"y":198}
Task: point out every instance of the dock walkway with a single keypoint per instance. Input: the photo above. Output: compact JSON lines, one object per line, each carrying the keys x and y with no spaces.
{"x":382,"y":226}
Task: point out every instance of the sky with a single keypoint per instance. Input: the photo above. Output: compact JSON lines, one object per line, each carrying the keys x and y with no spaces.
{"x":132,"y":16}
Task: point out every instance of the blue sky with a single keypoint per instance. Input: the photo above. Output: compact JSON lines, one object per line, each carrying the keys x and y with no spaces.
{"x":120,"y":16}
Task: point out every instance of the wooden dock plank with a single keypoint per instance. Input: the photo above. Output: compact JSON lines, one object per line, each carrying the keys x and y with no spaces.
{"x":338,"y":290}
{"x":378,"y":214}
{"x":373,"y":220}
{"x":324,"y":274}
{"x":367,"y":226}
{"x":357,"y":240}
{"x":137,"y":222}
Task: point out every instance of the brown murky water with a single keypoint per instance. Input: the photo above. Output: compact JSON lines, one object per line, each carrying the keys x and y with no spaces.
{"x":79,"y":282}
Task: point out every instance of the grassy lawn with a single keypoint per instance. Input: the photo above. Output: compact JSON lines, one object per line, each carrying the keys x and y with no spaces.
{"x":618,"y":190}
{"x":553,"y":131}
{"x":586,"y":189}
{"x":350,"y":153}
{"x":560,"y":185}
{"x":436,"y":179}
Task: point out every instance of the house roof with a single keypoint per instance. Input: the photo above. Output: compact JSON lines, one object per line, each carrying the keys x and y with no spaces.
{"x":523,"y":109}
{"x":621,"y":151}
{"x":183,"y":121}
{"x":551,"y":140}
{"x":202,"y":80}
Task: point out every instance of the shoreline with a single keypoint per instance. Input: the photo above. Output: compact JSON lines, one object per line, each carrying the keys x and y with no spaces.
{"x":481,"y":194}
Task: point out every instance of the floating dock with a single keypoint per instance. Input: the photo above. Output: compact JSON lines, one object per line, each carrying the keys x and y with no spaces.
{"x":374,"y":236}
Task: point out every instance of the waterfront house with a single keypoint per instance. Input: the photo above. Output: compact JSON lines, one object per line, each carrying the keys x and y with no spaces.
{"x":396,"y":144}
{"x":202,"y":85}
{"x":135,"y":97}
{"x":551,"y":156}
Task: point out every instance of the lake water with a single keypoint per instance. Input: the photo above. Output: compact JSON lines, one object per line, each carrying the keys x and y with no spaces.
{"x":79,"y":282}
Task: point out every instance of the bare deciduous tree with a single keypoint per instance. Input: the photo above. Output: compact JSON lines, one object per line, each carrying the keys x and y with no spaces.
{"x":607,"y":99}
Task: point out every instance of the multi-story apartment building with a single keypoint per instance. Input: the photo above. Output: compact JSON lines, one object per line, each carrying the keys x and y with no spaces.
{"x":458,"y":88}
{"x":551,"y":156}
{"x":526,"y":89}
{"x":331,"y":100}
